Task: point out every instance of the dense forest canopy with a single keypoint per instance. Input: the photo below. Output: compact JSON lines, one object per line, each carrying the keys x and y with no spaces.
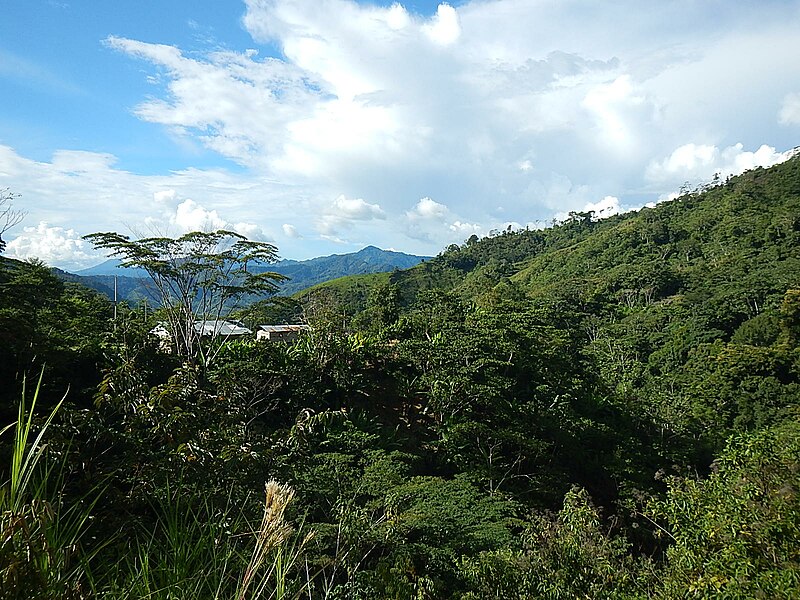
{"x":601,"y":409}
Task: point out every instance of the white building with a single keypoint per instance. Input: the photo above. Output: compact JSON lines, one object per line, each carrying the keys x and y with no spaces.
{"x":283,"y":333}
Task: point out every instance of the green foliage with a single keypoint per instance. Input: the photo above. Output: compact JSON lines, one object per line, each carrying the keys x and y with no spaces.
{"x":450,"y":431}
{"x":762,"y":330}
{"x":568,"y":555}
{"x":44,"y":321}
{"x":734,"y":535}
{"x":272,"y":311}
{"x":41,"y":536}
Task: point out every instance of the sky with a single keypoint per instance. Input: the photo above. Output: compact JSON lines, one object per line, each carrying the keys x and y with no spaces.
{"x":323,"y":126}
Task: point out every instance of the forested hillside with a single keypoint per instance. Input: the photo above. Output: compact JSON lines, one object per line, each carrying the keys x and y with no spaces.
{"x":602,"y":409}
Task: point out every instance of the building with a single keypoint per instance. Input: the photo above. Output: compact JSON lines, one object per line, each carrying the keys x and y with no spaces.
{"x":224,"y":328}
{"x":280,"y":333}
{"x":208,"y":328}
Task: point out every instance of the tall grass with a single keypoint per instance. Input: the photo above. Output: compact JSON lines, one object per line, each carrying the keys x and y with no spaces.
{"x":186,"y":555}
{"x":24,"y":457}
{"x":41,"y":555}
{"x":199,"y":553}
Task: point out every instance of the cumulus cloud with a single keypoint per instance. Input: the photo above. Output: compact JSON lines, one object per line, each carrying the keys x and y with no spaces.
{"x":53,"y":245}
{"x":290,"y":231}
{"x":397,"y":17}
{"x":251,"y":231}
{"x":444,"y":29}
{"x":356,"y":208}
{"x":344,"y":212}
{"x":606,"y":207}
{"x":427,"y":208}
{"x":790,"y":110}
{"x":691,"y":160}
{"x":465,"y":228}
{"x":80,"y":192}
{"x":190,"y":216}
{"x":378,"y":102}
{"x":429,"y":220}
{"x":700,"y":162}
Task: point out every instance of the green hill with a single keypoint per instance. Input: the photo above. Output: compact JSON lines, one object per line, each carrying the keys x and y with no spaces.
{"x":733,"y":248}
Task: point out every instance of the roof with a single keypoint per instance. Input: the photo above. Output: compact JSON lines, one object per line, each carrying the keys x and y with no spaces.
{"x":221,"y":327}
{"x":283,"y":328}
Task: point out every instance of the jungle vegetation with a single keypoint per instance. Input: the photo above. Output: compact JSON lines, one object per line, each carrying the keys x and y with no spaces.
{"x":600,"y":409}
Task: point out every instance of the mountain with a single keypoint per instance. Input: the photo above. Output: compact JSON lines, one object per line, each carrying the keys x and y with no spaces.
{"x":111,"y":267}
{"x":131,"y":283}
{"x":131,"y":289}
{"x":306,"y":273}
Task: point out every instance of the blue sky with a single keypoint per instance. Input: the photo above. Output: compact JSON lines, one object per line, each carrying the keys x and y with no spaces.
{"x":326,"y":125}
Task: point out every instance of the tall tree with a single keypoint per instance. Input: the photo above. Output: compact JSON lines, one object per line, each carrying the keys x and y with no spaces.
{"x":200,"y":275}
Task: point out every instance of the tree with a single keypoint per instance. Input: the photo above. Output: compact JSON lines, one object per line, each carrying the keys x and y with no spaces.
{"x":8,"y":216}
{"x":200,"y":275}
{"x":734,"y":534}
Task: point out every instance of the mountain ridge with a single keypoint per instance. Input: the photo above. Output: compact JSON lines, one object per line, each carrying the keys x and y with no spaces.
{"x":131,"y":282}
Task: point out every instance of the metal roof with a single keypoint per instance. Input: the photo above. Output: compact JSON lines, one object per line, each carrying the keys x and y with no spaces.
{"x":283,"y":328}
{"x":221,"y":327}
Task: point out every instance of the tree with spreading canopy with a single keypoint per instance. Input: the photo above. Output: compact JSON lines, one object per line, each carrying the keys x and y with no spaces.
{"x":197,"y":276}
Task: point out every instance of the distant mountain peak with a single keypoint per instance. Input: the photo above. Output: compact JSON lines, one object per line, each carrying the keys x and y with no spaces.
{"x":302,"y":273}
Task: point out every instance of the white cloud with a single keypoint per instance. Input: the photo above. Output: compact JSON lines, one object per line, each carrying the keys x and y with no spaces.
{"x":344,"y":213}
{"x":77,"y":162}
{"x":190,"y":216}
{"x":700,"y":162}
{"x":429,"y":220}
{"x":356,"y":208}
{"x":363,"y":103}
{"x":532,"y":106}
{"x":427,"y":208}
{"x":79,"y":193}
{"x":614,"y":106}
{"x":465,"y":228}
{"x":164,"y":195}
{"x":444,"y":28}
{"x":790,"y":110}
{"x":290,"y":231}
{"x":606,"y":207}
{"x":689,"y":160}
{"x":53,"y":245}
{"x":251,"y":231}
{"x":397,"y":17}
{"x":736,"y":160}
{"x":216,"y":99}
